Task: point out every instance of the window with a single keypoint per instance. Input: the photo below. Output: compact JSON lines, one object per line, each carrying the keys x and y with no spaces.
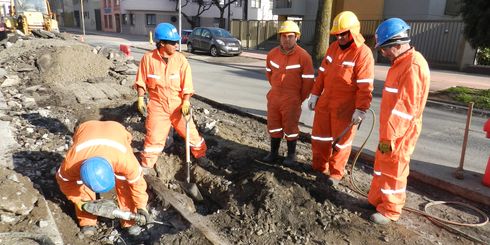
{"x":206,"y":33}
{"x":106,"y":22}
{"x":238,"y":3}
{"x":86,"y":15}
{"x":196,"y":32}
{"x":271,"y":4}
{"x":151,"y":19}
{"x":255,"y":4}
{"x":131,"y":19}
{"x":124,"y":19}
{"x":110,"y":21}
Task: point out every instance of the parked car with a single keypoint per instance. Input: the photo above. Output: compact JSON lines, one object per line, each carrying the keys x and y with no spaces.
{"x":214,"y":40}
{"x":185,"y":35}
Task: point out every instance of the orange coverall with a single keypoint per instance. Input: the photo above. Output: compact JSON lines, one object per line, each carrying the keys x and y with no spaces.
{"x":344,"y":83}
{"x":166,"y":84}
{"x":110,"y":140}
{"x":291,"y":77}
{"x":400,"y":122}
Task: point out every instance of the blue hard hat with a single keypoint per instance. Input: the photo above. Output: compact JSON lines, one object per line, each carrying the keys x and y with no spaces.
{"x":97,"y":174}
{"x":388,"y":29}
{"x":166,"y":32}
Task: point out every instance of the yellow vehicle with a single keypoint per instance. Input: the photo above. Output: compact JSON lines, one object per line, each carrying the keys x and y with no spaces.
{"x":27,"y":15}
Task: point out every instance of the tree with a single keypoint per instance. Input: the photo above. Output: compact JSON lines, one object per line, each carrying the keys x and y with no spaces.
{"x":204,"y":5}
{"x":322,"y":30}
{"x":222,"y":5}
{"x":477,"y":22}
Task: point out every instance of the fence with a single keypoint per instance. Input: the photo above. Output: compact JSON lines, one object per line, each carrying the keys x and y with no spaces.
{"x":439,"y":41}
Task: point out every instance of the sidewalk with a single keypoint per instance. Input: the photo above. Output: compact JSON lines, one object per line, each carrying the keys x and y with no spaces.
{"x":433,"y":173}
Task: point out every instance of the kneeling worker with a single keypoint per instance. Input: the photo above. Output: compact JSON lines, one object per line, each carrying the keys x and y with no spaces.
{"x":100,"y":158}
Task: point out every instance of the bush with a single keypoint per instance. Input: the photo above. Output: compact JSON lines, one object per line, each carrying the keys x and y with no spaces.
{"x":483,"y":56}
{"x":481,"y":97}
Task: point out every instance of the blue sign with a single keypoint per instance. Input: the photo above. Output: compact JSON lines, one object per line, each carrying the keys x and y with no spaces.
{"x":107,"y":10}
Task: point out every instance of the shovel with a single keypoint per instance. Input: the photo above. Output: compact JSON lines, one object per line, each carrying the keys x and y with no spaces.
{"x":189,"y":188}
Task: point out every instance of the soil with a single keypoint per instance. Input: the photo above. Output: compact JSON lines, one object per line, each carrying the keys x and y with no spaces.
{"x":247,"y":201}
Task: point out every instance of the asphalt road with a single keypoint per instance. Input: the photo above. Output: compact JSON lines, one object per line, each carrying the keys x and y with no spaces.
{"x":244,"y":86}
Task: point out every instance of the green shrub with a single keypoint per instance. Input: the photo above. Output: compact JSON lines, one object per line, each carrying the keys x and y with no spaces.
{"x":483,"y":56}
{"x":481,"y":97}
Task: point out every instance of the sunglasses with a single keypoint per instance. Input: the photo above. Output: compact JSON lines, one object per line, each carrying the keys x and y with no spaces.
{"x":173,"y":43}
{"x":342,"y":34}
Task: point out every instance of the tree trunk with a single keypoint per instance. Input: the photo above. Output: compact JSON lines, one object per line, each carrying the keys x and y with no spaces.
{"x":322,"y":30}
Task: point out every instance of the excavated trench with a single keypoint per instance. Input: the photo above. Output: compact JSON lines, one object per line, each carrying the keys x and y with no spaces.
{"x":245,"y":201}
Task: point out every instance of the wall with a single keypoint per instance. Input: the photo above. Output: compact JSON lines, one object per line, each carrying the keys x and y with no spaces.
{"x":417,"y":10}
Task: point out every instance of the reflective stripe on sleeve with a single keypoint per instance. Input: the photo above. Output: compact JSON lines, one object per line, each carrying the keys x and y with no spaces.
{"x":153,"y":76}
{"x":104,"y":142}
{"x":268,"y":69}
{"x":401,"y":114}
{"x":198,"y":144}
{"x":274,"y":64}
{"x":120,"y":177}
{"x":377,"y":173}
{"x":293,"y":66}
{"x":321,"y":138}
{"x":329,"y":59}
{"x":391,"y":90}
{"x":367,"y":80}
{"x":321,"y":69}
{"x":391,"y":192}
{"x":275,"y":130}
{"x":348,"y":63}
{"x":79,"y":182}
{"x":291,"y":135}
{"x":307,"y":76}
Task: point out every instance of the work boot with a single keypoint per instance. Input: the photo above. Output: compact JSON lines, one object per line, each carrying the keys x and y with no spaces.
{"x":367,"y":205}
{"x":275,"y":143}
{"x":332,"y":182}
{"x":291,"y":157}
{"x":134,"y":230}
{"x":205,"y":162}
{"x":88,"y":231}
{"x":379,"y":219}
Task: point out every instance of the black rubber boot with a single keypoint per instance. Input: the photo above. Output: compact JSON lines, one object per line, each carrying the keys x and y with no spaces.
{"x":275,"y":143}
{"x":291,"y":157}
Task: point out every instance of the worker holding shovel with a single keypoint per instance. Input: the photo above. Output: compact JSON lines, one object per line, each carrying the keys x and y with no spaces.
{"x":340,"y":97}
{"x":100,"y":158}
{"x":166,"y":76}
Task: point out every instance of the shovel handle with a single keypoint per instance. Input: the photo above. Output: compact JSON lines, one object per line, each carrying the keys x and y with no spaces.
{"x":341,"y":135}
{"x":188,"y":146}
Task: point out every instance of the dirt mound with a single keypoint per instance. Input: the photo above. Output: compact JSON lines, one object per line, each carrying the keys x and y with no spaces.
{"x":74,"y":63}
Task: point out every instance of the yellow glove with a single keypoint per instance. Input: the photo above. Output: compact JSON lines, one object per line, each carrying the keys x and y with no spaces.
{"x":186,"y":105}
{"x":384,"y":146}
{"x":80,"y":204}
{"x":142,"y":105}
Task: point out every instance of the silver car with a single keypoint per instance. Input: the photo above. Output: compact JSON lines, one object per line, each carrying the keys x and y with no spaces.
{"x":214,"y":40}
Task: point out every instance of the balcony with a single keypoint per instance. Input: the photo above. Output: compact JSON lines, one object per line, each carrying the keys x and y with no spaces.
{"x":289,"y":7}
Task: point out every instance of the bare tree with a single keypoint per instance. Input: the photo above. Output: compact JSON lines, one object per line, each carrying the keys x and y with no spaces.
{"x":204,"y":5}
{"x":222,"y":5}
{"x":322,"y":30}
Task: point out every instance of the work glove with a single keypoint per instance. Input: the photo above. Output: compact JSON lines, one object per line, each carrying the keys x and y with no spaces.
{"x":312,"y":102}
{"x":358,"y":116}
{"x":80,"y":204}
{"x":384,"y":146}
{"x":142,"y":105}
{"x":144,"y":213}
{"x":186,"y":105}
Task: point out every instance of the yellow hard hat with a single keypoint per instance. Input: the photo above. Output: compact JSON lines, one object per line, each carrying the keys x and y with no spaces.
{"x":345,"y":21}
{"x":289,"y":26}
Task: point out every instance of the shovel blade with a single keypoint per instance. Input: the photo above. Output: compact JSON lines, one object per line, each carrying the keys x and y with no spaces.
{"x":191,"y":190}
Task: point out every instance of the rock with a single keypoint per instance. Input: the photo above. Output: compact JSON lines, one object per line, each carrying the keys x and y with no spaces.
{"x":8,"y":45}
{"x":7,"y":218}
{"x":14,"y":104}
{"x":132,"y":70}
{"x":29,"y":102}
{"x":3,"y":72}
{"x":13,"y":177}
{"x":16,"y":199}
{"x":44,"y":62}
{"x":24,"y":68}
{"x":120,"y":68}
{"x":42,"y":223}
{"x":12,"y":80}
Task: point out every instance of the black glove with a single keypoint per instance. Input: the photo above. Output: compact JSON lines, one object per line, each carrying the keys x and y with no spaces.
{"x":147,"y":218}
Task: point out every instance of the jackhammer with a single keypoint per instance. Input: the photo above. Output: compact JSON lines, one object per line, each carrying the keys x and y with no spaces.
{"x":108,"y":209}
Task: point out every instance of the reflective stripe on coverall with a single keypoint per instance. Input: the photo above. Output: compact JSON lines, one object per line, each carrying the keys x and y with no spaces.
{"x":404,"y":96}
{"x":166,"y":85}
{"x":344,"y":83}
{"x":291,"y":77}
{"x":111,"y":141}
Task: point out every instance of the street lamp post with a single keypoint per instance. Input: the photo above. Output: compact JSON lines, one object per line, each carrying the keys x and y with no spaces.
{"x":180,"y":25}
{"x":83,"y":18}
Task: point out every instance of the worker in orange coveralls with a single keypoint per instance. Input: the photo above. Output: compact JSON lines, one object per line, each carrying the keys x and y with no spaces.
{"x":486,"y":179}
{"x":166,"y":76}
{"x":290,"y":72}
{"x":100,"y":158}
{"x":403,"y":101}
{"x":340,"y":97}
